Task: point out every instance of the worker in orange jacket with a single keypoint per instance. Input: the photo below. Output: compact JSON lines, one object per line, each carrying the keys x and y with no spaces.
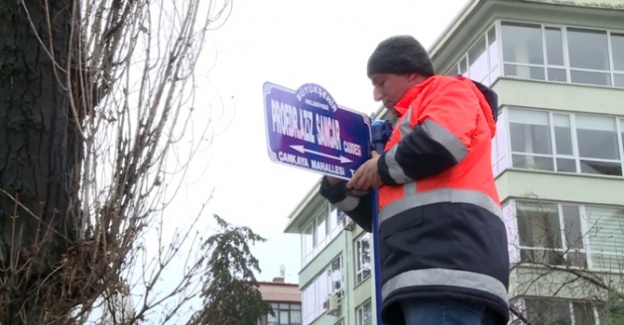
{"x":442,"y":239}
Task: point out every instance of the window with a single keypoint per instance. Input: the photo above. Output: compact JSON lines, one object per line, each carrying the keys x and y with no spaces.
{"x":285,"y":314}
{"x":530,"y":139}
{"x":362,"y":257}
{"x":606,"y":235}
{"x":523,"y":51}
{"x":480,"y":63}
{"x":575,"y":143}
{"x":364,"y":314}
{"x":314,"y":295}
{"x":586,"y":236}
{"x":599,"y":148}
{"x":564,"y":54}
{"x":589,"y":57}
{"x":551,"y":311}
{"x":320,"y":232}
{"x":550,"y":234}
{"x":617,"y":48}
{"x":500,"y":157}
{"x":307,"y":243}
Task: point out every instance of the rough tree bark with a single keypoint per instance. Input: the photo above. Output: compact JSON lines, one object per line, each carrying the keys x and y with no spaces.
{"x":40,"y":151}
{"x":93,"y":96}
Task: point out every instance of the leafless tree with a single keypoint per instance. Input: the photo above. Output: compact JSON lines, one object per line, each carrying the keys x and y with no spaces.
{"x":552,"y":279}
{"x":96,"y":97}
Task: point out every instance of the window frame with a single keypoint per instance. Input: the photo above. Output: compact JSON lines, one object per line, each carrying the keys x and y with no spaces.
{"x":554,"y":155}
{"x":612,"y":72}
{"x":585,"y":228}
{"x":359,"y":277}
{"x":360,"y":312}
{"x":277,"y":308}
{"x":331,"y":230}
{"x":311,"y":310}
{"x":493,"y":71}
{"x":595,"y":305}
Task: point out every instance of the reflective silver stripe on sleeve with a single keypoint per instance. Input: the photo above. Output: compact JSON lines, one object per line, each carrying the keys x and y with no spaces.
{"x":438,"y":196}
{"x":447,"y":139}
{"x":405,"y":128}
{"x":394,"y":169}
{"x":349,"y":203}
{"x":445,"y":277}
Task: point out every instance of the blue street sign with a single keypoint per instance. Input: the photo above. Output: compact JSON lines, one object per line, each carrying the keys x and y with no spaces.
{"x":306,"y":128}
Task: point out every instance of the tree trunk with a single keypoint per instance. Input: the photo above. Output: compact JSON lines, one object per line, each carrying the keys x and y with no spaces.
{"x":39,"y":155}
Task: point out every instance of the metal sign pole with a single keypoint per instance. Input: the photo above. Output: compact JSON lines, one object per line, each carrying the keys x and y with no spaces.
{"x":380,"y":132}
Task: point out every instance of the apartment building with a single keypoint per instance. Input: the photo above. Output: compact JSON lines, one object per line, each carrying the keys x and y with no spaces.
{"x":558,"y":159}
{"x":285,"y":300}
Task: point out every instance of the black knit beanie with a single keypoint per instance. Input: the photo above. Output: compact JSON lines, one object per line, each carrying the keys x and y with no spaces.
{"x":400,"y":54}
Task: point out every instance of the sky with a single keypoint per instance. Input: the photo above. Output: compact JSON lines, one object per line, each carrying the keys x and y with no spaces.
{"x":289,"y":43}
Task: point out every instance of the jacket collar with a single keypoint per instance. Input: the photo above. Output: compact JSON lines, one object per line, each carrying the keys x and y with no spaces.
{"x":403,"y":104}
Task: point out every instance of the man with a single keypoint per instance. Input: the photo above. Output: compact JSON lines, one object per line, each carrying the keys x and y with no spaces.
{"x":442,"y":241}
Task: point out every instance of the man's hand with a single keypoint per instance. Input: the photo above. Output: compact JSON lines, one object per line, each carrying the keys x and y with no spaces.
{"x":366,"y":176}
{"x":333,"y":180}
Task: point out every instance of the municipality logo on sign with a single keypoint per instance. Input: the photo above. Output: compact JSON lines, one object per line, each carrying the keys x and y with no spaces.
{"x":306,"y":128}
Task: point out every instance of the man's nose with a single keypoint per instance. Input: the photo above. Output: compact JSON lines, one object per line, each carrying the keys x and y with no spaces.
{"x":377,"y":94}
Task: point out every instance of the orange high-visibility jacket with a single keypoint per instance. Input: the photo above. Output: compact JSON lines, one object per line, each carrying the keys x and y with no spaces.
{"x":441,"y":232}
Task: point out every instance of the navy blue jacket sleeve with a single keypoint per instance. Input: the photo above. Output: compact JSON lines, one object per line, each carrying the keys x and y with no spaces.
{"x":357,"y":208}
{"x":418,"y":156}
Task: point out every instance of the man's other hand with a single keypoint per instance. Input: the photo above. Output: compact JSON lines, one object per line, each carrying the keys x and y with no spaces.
{"x":366,"y":176}
{"x":333,"y":180}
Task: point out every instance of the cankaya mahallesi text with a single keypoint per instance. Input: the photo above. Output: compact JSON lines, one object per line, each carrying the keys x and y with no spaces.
{"x":310,"y":127}
{"x":305,"y":162}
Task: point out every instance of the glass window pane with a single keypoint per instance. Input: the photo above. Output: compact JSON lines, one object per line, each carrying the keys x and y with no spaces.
{"x":588,"y":49}
{"x":493,"y":48}
{"x":583,"y":313}
{"x":335,"y":276}
{"x":554,"y":46}
{"x":529,"y":131}
{"x":363,"y":258}
{"x":532,"y":162}
{"x":538,"y":225}
{"x":563,"y":134}
{"x":566,"y":165}
{"x":617,"y":46}
{"x":592,"y":78}
{"x":576,"y":258}
{"x":295,"y":317}
{"x":536,"y":73}
{"x":597,"y":137}
{"x":572,"y":226}
{"x":542,"y":256}
{"x":463,"y":66}
{"x":307,"y":241}
{"x":308,"y":301}
{"x":606,"y":236}
{"x":320,"y":231}
{"x":522,"y":43}
{"x":272,"y":320}
{"x":541,"y":311}
{"x":557,"y":75}
{"x":618,"y":80}
{"x":477,"y":59}
{"x":622,"y":132}
{"x":601,"y":167}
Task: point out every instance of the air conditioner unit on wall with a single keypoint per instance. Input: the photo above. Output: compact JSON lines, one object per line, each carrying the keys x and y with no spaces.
{"x":349,"y":224}
{"x":333,"y":305}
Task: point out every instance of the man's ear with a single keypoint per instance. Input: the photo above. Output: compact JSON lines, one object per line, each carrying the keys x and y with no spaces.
{"x":415,"y":77}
